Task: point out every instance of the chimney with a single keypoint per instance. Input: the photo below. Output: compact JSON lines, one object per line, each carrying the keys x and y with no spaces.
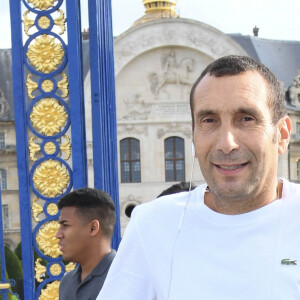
{"x":255,"y":31}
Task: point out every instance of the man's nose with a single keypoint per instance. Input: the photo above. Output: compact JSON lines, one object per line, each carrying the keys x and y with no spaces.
{"x":227,"y":139}
{"x":58,"y":234}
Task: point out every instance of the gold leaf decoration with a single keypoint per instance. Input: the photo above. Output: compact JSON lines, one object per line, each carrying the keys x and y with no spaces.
{"x":44,"y":22}
{"x":36,"y":209}
{"x":33,"y":148}
{"x":49,"y":147}
{"x":48,"y":116}
{"x":28,"y":23}
{"x":47,"y":85}
{"x":46,"y":240}
{"x":50,"y":292}
{"x":63,"y":85}
{"x":45,"y":54}
{"x":55,"y":269}
{"x":31,"y":86}
{"x":52,"y":209}
{"x":39,"y":270}
{"x":42,"y":4}
{"x":70,"y":266}
{"x":51,"y":178}
{"x":61,"y":21}
{"x":66,"y":147}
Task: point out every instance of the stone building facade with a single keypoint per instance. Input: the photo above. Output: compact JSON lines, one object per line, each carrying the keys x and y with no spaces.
{"x":156,"y":62}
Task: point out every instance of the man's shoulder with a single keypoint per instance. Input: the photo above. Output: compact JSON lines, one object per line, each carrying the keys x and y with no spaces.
{"x":69,"y":276}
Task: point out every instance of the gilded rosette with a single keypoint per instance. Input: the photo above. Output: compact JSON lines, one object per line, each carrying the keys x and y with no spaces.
{"x":45,"y":54}
{"x":44,"y":22}
{"x":47,"y":85}
{"x":42,"y":4}
{"x":50,"y":292}
{"x":51,"y":178}
{"x":46,"y":240}
{"x":52,"y":209}
{"x":48,"y":116}
{"x":50,"y":148}
{"x":55,"y":269}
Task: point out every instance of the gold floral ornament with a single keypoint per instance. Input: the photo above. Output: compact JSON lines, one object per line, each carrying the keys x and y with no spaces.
{"x":39,"y":270}
{"x":55,"y":269}
{"x":48,"y":116}
{"x":50,"y":292}
{"x":66,"y":147}
{"x":49,"y":148}
{"x":51,"y":178}
{"x":63,"y":85}
{"x":45,"y":54}
{"x":44,"y":22}
{"x":28,"y":23}
{"x":33,"y":148}
{"x":52,"y":209}
{"x":42,"y":4}
{"x":70,"y":266}
{"x":36,"y":209}
{"x":31,"y":86}
{"x":47,"y":85}
{"x":46,"y":240}
{"x":61,"y":21}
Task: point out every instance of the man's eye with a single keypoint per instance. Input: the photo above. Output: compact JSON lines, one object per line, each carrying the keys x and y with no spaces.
{"x":247,"y":119}
{"x":207,"y":120}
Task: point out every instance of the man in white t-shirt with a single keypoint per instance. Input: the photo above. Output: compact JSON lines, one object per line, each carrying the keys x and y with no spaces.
{"x":236,"y":237}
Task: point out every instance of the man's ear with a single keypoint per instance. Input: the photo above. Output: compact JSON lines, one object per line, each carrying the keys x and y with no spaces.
{"x":284,"y":134}
{"x":94,"y":227}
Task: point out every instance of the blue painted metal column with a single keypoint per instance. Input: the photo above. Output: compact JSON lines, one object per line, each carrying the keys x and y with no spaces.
{"x":49,"y":108}
{"x":19,"y":94}
{"x":104,"y":104}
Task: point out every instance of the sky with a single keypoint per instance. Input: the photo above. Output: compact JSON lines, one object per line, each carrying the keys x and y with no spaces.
{"x":276,"y":19}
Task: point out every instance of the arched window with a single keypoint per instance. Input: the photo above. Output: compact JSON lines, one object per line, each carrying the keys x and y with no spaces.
{"x":130,"y":160}
{"x":3,"y":179}
{"x":174,"y":159}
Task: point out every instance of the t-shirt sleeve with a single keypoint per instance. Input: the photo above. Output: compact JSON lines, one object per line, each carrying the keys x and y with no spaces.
{"x":129,"y":276}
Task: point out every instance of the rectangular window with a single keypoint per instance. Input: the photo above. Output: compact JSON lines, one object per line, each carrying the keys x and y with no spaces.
{"x":298,"y":131}
{"x":5,"y":216}
{"x":2,"y":141}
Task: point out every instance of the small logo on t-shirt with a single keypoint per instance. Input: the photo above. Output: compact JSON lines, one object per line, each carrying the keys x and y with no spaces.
{"x":287,"y":261}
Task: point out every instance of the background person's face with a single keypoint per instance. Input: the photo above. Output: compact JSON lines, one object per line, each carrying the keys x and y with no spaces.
{"x":234,"y":138}
{"x":73,"y":235}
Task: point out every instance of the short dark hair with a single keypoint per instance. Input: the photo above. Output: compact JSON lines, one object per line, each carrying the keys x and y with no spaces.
{"x":92,"y":204}
{"x":182,"y":186}
{"x":235,"y":64}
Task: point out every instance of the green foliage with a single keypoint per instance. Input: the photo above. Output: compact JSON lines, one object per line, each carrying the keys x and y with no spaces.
{"x":9,"y":296}
{"x":13,"y":264}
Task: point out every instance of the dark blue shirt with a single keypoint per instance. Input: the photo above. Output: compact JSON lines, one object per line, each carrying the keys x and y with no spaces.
{"x":72,"y":288}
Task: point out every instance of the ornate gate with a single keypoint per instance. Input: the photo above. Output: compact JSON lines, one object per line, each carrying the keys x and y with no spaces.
{"x":50,"y":124}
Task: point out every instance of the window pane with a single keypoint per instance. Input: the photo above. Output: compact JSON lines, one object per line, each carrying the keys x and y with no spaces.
{"x":124,"y":149}
{"x":125,"y":172}
{"x":136,"y":173}
{"x":135,"y":149}
{"x":179,"y":148}
{"x":169,"y":148}
{"x":180,"y":174}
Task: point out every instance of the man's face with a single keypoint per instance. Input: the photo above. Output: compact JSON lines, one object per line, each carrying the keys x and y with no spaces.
{"x":73,"y":235}
{"x":235,"y":141}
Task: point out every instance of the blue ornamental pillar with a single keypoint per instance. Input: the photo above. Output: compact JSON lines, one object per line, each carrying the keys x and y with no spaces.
{"x":104,"y":104}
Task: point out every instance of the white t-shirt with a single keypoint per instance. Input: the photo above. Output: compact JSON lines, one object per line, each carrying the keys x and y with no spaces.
{"x":207,"y":255}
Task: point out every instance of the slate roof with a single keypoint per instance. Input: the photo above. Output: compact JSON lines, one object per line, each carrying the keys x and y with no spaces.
{"x":281,"y":57}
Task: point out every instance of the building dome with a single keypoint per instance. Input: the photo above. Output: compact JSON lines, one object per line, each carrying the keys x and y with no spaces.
{"x":157,"y":10}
